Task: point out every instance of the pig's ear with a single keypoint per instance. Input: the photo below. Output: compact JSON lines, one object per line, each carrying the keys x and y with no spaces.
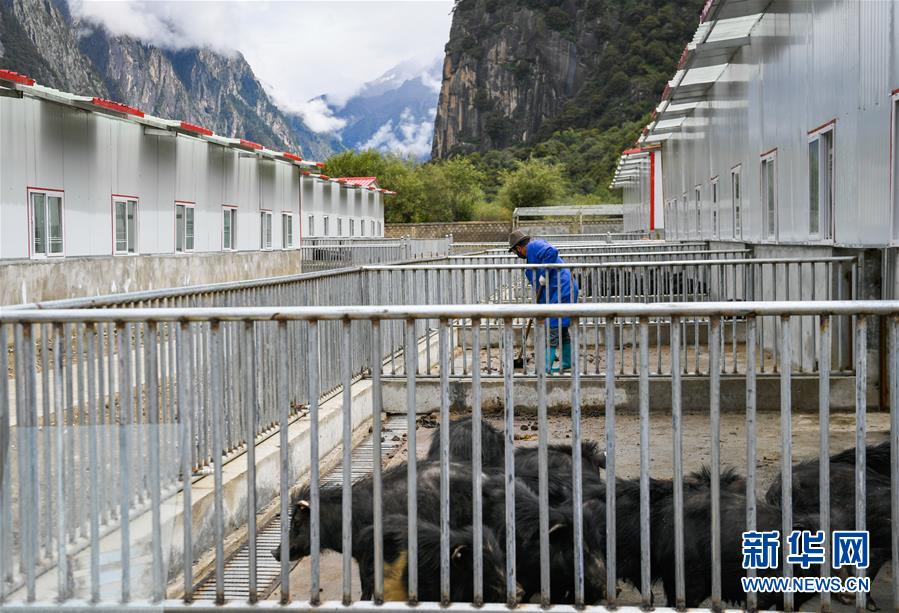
{"x":458,"y":552}
{"x":303,"y":506}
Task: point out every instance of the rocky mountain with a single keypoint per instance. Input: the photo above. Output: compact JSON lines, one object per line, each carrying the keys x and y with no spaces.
{"x":515,"y":71}
{"x":40,"y":38}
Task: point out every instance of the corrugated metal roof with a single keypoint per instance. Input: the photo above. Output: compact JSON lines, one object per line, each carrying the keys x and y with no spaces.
{"x":10,"y":80}
{"x":361,"y":181}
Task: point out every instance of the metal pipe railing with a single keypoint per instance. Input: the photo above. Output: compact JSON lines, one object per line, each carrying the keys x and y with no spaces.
{"x":97,"y":529}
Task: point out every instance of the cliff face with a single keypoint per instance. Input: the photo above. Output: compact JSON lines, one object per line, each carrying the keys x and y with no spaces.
{"x":40,"y":38}
{"x":516,"y":69}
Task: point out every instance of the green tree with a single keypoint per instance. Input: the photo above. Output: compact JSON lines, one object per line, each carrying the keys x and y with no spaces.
{"x":533,"y":183}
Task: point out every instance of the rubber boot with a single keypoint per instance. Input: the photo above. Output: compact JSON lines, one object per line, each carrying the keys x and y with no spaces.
{"x":550,"y":359}
{"x":566,"y":356}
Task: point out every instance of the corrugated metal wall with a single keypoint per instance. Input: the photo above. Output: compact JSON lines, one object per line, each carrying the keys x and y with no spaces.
{"x":91,"y":158}
{"x":808,"y":63}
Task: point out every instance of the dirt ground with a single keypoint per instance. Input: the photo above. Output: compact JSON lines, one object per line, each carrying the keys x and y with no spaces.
{"x":696,"y":453}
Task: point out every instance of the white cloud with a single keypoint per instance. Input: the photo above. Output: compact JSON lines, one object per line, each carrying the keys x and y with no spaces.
{"x":410,"y":136}
{"x":302,"y":48}
{"x":317,"y":116}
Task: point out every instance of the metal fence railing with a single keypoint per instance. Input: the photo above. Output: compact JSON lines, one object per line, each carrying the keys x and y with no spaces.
{"x":319,"y":254}
{"x":92,"y":481}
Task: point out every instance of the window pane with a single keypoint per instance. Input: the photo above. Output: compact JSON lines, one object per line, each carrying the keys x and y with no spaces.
{"x":121,"y":236}
{"x":39,"y":216}
{"x":827,"y":170}
{"x":813,"y":195}
{"x":54,"y":211}
{"x":189,"y":228}
{"x":179,"y":227}
{"x":226,"y":230}
{"x":769,"y":179}
{"x":132,"y":226}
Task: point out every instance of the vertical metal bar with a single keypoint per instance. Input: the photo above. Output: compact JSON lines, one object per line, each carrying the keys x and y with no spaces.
{"x":376,"y":409}
{"x":677,"y":433}
{"x":69,"y":420}
{"x":542,"y":459}
{"x":477,"y":501}
{"x":645,"y":571}
{"x":786,"y":432}
{"x":893,"y":355}
{"x":123,"y":334}
{"x":577,"y":473}
{"x":185,"y":380}
{"x":715,"y":423}
{"x":251,"y":402}
{"x":217,"y":451}
{"x":509,"y":435}
{"x":411,"y":358}
{"x":152,"y":361}
{"x":62,"y":561}
{"x":47,"y":506}
{"x":284,"y":459}
{"x":824,"y":446}
{"x":24,"y":394}
{"x":611,"y":516}
{"x":347,"y":500}
{"x":94,"y":481}
{"x":861,"y":426}
{"x":443,"y":341}
{"x":751,"y":321}
{"x":5,"y":476}
{"x":312,"y":352}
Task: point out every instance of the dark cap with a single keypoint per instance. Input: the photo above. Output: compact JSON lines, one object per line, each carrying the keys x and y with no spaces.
{"x":516,"y":237}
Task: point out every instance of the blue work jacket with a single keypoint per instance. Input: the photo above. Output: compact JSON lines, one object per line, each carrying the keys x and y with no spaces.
{"x":560,"y":286}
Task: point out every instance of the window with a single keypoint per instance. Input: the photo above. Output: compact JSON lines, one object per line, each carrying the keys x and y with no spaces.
{"x":715,"y":207}
{"x":352,"y":227}
{"x":736,"y":202}
{"x":769,"y":195}
{"x":697,"y":202}
{"x":265,"y":230}
{"x":895,"y":178}
{"x":184,"y":226}
{"x":46,"y":223}
{"x":125,"y":211}
{"x":311,"y":225}
{"x":286,"y":230}
{"x":820,"y":183}
{"x":339,"y":226}
{"x":229,"y":228}
{"x":361,"y":227}
{"x":373,"y":231}
{"x":325,"y":229}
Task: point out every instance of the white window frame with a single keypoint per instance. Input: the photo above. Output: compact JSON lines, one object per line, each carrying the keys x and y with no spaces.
{"x":373,"y":226}
{"x":894,"y":143}
{"x":769,"y":206}
{"x":340,"y":226}
{"x":352,"y":227}
{"x":32,"y":221}
{"x":287,"y":230}
{"x":716,"y":197}
{"x":361,"y":227}
{"x":825,"y":196}
{"x":132,"y":231}
{"x":265,"y":230}
{"x":230,"y":210}
{"x":310,"y":220}
{"x":186,"y":206}
{"x":736,"y":201}
{"x":325,"y":228}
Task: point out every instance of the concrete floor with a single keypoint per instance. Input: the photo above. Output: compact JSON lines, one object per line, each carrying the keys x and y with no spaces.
{"x":696,"y":453}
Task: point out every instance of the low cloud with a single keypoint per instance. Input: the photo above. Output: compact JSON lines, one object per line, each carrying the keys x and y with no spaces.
{"x":316,"y":114}
{"x":410,"y":135}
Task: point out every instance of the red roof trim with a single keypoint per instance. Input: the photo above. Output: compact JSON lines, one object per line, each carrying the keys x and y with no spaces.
{"x":292,"y":156}
{"x":683,"y":57}
{"x":705,"y":11}
{"x":249,"y":144}
{"x":15,"y":77}
{"x":320,"y":164}
{"x":117,"y":106}
{"x":324,"y":177}
{"x":629,"y":151}
{"x":195,"y":128}
{"x":306,"y":173}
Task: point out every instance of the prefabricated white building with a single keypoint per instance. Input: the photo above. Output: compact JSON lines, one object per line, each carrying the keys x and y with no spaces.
{"x":639,"y":175}
{"x":779,"y":125}
{"x":82,"y":176}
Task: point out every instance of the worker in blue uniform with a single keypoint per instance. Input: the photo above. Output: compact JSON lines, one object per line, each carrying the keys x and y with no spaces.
{"x":552,"y":286}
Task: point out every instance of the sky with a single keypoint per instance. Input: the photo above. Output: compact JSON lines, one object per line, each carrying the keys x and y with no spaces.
{"x":298,"y":49}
